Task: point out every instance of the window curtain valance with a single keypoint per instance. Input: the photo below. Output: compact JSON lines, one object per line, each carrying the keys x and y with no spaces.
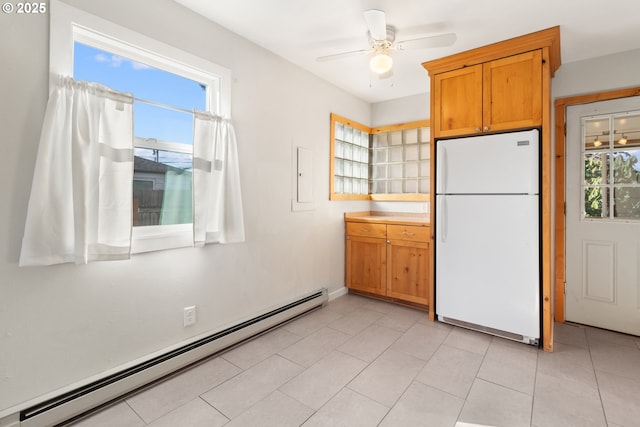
{"x":79,"y":207}
{"x":217,"y":209}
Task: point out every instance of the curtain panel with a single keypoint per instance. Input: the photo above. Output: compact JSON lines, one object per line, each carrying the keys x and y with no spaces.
{"x":79,"y":208}
{"x":217,"y":209}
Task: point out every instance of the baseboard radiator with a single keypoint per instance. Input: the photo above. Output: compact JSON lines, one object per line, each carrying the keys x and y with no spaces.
{"x":79,"y":401}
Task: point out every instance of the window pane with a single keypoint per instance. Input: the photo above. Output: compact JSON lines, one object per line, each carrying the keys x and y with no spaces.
{"x":144,"y":82}
{"x":411,"y":186}
{"x":161,"y":188}
{"x":339,"y":167}
{"x":411,"y":153}
{"x":595,"y":170}
{"x":396,"y":154}
{"x":379,"y":187}
{"x":411,"y":170}
{"x":162,"y":124}
{"x":596,"y":202}
{"x":339,"y":131}
{"x":424,"y":185}
{"x":379,"y":171}
{"x":626,"y":131}
{"x":626,"y":202}
{"x":596,"y":133}
{"x":411,"y":136}
{"x":396,"y":137}
{"x":626,"y":169}
{"x":380,"y":155}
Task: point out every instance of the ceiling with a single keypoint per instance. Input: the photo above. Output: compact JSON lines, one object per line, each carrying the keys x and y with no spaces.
{"x":302,"y":30}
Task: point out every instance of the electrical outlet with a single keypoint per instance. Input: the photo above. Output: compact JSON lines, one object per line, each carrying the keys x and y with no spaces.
{"x":190,"y":315}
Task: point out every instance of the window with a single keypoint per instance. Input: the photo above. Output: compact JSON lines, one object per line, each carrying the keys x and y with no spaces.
{"x":350,"y":149}
{"x":167,"y":85}
{"x":611,"y":172}
{"x":385,"y":163}
{"x":162,"y":126}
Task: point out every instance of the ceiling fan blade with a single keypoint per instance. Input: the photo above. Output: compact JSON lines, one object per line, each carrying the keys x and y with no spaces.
{"x":442,"y":40}
{"x":343,"y":55}
{"x":377,"y":24}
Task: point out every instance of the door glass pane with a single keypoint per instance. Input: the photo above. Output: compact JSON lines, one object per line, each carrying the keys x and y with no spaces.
{"x":626,"y":131}
{"x":596,"y":133}
{"x":596,"y":202}
{"x":626,"y":202}
{"x":596,"y":171}
{"x":626,"y":168}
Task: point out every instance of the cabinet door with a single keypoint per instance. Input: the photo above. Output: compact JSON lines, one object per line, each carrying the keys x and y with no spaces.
{"x":366,"y":264}
{"x":457,"y":102}
{"x":408,"y":271}
{"x":513,"y":92}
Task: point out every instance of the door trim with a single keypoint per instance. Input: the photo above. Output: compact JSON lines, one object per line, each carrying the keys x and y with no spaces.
{"x":561,"y":105}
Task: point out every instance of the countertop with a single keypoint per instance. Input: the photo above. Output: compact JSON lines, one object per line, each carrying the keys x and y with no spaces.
{"x":404,"y":218}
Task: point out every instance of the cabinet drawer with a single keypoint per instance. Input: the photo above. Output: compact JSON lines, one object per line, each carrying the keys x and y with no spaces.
{"x":366,"y":229}
{"x":408,"y":232}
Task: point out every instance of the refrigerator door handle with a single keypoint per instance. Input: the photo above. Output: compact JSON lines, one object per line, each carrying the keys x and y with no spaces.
{"x":443,"y":219}
{"x":444,"y":170}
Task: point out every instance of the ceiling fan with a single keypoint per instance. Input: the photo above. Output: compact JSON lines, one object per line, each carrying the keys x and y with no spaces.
{"x":382,"y":40}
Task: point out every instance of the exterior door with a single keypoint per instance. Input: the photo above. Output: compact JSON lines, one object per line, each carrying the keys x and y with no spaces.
{"x":603,"y":215}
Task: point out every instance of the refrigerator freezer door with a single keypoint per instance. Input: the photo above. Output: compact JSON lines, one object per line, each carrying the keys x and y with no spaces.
{"x":504,"y":163}
{"x":487,"y":261}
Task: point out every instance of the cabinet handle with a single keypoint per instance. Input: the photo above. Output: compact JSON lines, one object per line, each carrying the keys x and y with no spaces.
{"x":477,"y":129}
{"x":406,"y":233}
{"x":364,"y":229}
{"x":486,"y":128}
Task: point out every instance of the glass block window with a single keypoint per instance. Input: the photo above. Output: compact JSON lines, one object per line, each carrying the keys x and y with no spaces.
{"x":611,"y":166}
{"x":400,"y":161}
{"x":351,"y":159}
{"x":390,"y":162}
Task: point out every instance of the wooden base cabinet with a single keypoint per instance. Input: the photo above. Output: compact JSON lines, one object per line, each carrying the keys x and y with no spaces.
{"x":408,"y":264}
{"x":391,"y":261}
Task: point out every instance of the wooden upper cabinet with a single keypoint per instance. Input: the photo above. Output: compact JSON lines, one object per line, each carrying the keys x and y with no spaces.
{"x":512,"y":92}
{"x":458,"y":106}
{"x":497,"y":95}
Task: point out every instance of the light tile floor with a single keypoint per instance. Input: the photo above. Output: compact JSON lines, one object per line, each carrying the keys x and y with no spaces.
{"x":362,"y":362}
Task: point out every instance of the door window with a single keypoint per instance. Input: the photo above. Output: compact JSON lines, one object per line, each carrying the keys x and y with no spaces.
{"x":611,"y":166}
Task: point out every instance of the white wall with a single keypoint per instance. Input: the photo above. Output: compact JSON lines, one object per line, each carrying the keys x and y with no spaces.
{"x":609,"y":72}
{"x":401,"y":110}
{"x":63,"y":324}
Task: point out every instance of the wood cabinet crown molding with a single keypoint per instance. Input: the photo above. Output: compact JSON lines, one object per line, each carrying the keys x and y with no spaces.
{"x":549,"y":38}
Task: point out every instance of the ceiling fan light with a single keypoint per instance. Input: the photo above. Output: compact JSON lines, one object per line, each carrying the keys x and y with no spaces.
{"x":381,"y":63}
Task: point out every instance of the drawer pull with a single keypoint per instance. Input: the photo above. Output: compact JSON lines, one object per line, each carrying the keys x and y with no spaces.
{"x":365,"y":230}
{"x":406,"y":233}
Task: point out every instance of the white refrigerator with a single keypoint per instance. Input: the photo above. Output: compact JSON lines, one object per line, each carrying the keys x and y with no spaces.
{"x":487,"y":238}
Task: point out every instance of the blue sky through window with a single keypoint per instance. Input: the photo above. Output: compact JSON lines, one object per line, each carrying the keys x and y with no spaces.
{"x":148,"y":83}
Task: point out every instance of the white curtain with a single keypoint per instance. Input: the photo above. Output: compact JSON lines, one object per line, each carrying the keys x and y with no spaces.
{"x":217,"y":209}
{"x":80,"y":204}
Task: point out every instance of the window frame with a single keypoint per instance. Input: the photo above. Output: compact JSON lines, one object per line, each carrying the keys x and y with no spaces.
{"x":335,"y":118}
{"x":69,"y":24}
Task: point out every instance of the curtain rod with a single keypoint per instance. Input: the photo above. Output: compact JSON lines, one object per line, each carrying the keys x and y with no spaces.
{"x":160,"y":104}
